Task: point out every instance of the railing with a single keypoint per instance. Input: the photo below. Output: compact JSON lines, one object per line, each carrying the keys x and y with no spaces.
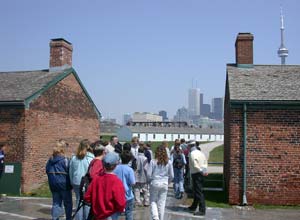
{"x":214,"y":183}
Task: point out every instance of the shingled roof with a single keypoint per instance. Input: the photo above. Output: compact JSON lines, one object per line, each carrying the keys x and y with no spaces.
{"x":264,"y":83}
{"x":20,"y":88}
{"x":17,"y":86}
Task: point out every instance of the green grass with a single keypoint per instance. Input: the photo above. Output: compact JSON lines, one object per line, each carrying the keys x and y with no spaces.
{"x":216,"y":155}
{"x":42,"y":191}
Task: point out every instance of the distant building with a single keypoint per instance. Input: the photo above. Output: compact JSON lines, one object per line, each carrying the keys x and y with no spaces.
{"x":218,"y":108}
{"x":126,"y":118}
{"x":194,"y":102}
{"x":205,"y":110}
{"x":169,"y":132}
{"x":145,"y":116}
{"x":201,"y":102}
{"x":164,"y":115}
{"x":182,"y":114}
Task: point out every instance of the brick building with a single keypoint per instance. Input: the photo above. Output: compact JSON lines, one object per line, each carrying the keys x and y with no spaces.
{"x":37,"y":108}
{"x":262,"y":124}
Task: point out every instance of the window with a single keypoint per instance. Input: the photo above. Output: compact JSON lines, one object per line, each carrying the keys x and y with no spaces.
{"x":179,"y":136}
{"x":153,"y":136}
{"x":165,"y":136}
{"x":189,"y":137}
{"x":139,"y":135}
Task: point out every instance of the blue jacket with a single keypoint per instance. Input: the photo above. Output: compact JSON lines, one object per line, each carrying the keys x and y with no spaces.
{"x":57,"y":169}
{"x":79,"y":167}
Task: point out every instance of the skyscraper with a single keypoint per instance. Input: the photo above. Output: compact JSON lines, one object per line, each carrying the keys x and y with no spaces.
{"x":163,"y":114}
{"x":194,"y":102}
{"x":126,"y":118}
{"x":218,"y":108}
{"x":182,"y":115}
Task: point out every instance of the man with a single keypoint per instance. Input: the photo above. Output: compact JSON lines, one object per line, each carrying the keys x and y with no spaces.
{"x":135,"y":146}
{"x":114,"y":145}
{"x":2,"y":155}
{"x":198,"y":169}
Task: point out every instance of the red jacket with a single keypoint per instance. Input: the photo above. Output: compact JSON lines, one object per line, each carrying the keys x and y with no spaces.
{"x":107,"y":195}
{"x":96,"y":168}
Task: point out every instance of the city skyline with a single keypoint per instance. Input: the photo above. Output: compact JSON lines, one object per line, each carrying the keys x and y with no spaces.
{"x":141,"y":55}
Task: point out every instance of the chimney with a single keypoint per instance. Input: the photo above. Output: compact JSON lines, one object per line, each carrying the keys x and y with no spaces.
{"x":60,"y":54}
{"x":244,"y":50}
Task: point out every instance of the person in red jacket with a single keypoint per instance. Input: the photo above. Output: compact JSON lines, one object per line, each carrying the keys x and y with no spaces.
{"x":106,"y":192}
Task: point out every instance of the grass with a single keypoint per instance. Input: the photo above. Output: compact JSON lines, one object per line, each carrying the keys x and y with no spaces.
{"x":42,"y":191}
{"x":216,"y":155}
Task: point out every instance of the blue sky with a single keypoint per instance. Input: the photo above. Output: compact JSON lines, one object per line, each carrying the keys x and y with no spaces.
{"x":142,"y":55}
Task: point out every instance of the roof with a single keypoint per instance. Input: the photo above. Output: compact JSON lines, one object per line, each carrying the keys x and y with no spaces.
{"x":266,"y":83}
{"x":24,"y":86}
{"x":17,"y":86}
{"x":174,"y":130}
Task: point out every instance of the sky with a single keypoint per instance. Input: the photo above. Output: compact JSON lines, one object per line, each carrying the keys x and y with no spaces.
{"x":142,"y":55}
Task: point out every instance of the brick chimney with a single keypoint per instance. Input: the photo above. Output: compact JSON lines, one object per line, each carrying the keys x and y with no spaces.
{"x":244,"y":50}
{"x":60,"y":54}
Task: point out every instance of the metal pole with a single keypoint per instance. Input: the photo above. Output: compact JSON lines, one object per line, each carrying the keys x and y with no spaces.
{"x":245,"y":156}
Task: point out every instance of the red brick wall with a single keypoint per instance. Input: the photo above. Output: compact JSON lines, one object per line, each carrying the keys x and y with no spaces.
{"x":61,"y":112}
{"x":273,"y":156}
{"x":12,"y":124}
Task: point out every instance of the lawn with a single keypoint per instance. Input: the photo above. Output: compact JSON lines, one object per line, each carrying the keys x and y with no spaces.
{"x":216,"y":155}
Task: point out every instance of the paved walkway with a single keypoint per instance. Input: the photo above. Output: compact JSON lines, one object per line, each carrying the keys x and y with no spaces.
{"x":206,"y":149}
{"x":14,"y":208}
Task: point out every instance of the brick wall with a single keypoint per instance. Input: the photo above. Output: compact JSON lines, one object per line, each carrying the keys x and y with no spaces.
{"x":273,"y":156}
{"x":61,"y":112}
{"x":12,"y":125}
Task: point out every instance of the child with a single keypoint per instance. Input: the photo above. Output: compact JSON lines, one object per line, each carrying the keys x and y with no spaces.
{"x":126,"y":175}
{"x":106,"y":192}
{"x":141,"y":179}
{"x":178,"y":160}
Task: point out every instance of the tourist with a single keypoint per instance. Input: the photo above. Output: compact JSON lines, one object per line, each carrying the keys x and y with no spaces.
{"x":160,"y":174}
{"x":148,"y":152}
{"x":134,"y":146}
{"x":176,"y":142}
{"x":96,"y":166}
{"x":141,"y":186}
{"x":57,"y":170}
{"x":114,"y":145}
{"x":106,"y":193}
{"x":183,"y":144}
{"x":166,"y":145}
{"x":178,"y":161}
{"x":198,"y":169}
{"x":126,"y":175}
{"x":78,"y":168}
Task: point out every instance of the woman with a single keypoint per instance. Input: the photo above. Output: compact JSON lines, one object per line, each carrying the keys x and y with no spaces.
{"x":57,"y":169}
{"x":160,"y":174}
{"x":96,"y":166}
{"x":78,"y":168}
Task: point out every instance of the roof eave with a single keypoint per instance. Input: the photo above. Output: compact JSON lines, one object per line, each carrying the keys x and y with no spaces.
{"x":267,"y":103}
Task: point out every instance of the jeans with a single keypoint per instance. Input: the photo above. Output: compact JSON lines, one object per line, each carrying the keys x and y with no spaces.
{"x":83,"y":213}
{"x":158,"y":196}
{"x":57,"y":199}
{"x":178,"y":181}
{"x":198,"y":192}
{"x":128,"y":211}
{"x":138,"y":188}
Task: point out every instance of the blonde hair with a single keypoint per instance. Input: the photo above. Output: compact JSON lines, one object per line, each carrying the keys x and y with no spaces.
{"x":82,"y":149}
{"x":58,"y":149}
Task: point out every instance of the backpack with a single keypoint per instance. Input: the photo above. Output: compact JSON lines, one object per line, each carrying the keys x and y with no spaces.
{"x":178,"y":161}
{"x":84,"y":184}
{"x":134,"y":164}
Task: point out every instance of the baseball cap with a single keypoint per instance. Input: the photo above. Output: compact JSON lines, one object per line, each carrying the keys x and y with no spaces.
{"x":111,"y":159}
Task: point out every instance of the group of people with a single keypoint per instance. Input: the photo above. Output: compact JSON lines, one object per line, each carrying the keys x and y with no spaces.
{"x":123,"y":177}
